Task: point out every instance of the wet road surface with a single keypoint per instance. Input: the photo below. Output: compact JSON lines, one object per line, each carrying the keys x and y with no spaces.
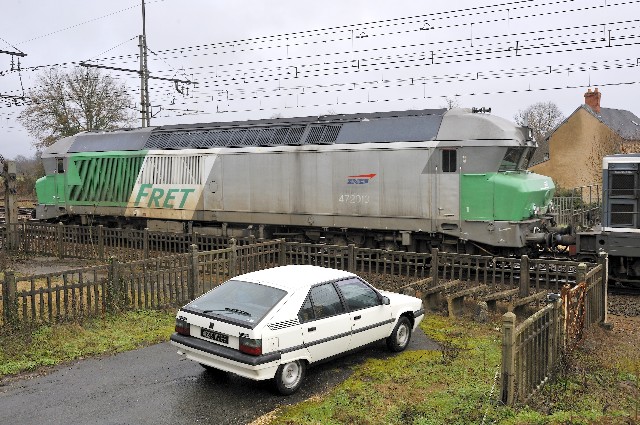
{"x":153,"y":385}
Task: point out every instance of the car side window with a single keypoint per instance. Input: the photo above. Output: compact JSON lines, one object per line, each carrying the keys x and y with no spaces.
{"x":357,"y":294}
{"x":306,"y":312}
{"x":325,"y":301}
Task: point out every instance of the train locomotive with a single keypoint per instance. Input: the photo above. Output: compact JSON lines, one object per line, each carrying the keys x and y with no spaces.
{"x":452,"y":179}
{"x":618,"y":234}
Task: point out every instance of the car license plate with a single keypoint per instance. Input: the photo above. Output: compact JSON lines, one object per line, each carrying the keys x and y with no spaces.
{"x":216,"y":336}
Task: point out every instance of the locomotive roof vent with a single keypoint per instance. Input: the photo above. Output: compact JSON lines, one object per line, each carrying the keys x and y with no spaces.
{"x":481,"y":110}
{"x":229,"y":137}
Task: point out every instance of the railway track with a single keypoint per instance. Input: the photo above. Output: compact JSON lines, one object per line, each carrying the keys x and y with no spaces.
{"x":23,"y":213}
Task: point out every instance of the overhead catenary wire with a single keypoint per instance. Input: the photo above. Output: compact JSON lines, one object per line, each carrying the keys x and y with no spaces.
{"x":333,"y":73}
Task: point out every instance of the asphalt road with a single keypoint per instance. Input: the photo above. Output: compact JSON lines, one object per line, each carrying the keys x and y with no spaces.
{"x":153,"y":385}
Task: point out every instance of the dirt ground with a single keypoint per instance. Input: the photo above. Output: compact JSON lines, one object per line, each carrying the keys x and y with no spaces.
{"x":625,"y":334}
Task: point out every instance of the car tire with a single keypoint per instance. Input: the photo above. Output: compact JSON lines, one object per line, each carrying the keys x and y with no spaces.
{"x":289,"y":376}
{"x":401,"y":335}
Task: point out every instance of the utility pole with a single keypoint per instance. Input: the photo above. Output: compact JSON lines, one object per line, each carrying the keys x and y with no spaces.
{"x":145,"y":102}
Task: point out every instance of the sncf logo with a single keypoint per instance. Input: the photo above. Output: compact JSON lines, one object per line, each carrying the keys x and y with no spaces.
{"x":360,"y":179}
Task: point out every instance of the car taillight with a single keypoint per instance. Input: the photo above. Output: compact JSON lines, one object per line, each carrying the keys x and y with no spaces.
{"x":182,"y":326}
{"x":251,"y":346}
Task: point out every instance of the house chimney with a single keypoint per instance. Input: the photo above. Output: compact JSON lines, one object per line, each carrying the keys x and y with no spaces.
{"x":592,"y":99}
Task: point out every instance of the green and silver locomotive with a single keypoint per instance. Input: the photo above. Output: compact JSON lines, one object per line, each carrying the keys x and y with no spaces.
{"x":454,"y":179}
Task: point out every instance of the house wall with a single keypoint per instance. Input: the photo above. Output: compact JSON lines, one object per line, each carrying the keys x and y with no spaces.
{"x":576,"y":149}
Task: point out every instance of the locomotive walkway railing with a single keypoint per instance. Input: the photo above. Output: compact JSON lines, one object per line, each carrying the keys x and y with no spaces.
{"x":580,"y":206}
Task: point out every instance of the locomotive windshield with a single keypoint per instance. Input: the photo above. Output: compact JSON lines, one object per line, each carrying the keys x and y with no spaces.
{"x":516,"y":159}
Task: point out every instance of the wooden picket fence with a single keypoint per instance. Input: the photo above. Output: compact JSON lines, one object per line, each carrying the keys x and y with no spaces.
{"x":172,"y":280}
{"x":102,"y":243}
{"x":154,"y":271}
{"x":532,"y":350}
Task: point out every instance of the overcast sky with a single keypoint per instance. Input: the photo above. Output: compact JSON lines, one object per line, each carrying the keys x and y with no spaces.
{"x":250,"y":59}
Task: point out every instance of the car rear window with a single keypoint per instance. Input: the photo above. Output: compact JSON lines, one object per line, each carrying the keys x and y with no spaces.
{"x":237,"y":300}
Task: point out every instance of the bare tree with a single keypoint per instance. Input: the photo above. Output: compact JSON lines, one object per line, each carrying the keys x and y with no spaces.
{"x":450,"y":103}
{"x":541,"y":117}
{"x":64,"y":104}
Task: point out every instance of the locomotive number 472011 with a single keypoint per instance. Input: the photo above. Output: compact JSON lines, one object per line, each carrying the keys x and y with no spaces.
{"x":350,"y":198}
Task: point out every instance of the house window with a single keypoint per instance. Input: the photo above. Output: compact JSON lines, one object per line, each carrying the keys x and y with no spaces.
{"x":449,"y":161}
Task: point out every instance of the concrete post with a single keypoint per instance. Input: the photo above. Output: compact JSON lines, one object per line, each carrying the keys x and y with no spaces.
{"x":524,"y":277}
{"x":603,"y":260}
{"x":101,"y":242}
{"x":60,"y":239}
{"x":145,"y":243}
{"x":508,"y":359}
{"x":10,"y":302}
{"x":112,"y":297}
{"x":351,"y":265}
{"x":581,"y":274}
{"x":196,"y":287}
{"x":233,"y":258}
{"x":282,"y":255}
{"x":434,"y":267}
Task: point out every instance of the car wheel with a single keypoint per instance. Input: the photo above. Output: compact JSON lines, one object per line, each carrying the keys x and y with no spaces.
{"x":289,"y":377}
{"x":401,"y":335}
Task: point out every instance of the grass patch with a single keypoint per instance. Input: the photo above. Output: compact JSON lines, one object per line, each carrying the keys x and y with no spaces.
{"x":454,"y":386}
{"x":415,"y":387}
{"x":24,"y":351}
{"x":597,"y":384}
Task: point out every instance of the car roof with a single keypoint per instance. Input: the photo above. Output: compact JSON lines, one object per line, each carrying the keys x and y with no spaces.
{"x":294,"y":277}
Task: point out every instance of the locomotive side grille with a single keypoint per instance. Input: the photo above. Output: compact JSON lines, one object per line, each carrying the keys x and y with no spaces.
{"x":294,"y":136}
{"x":105,"y":179}
{"x":622,"y":215}
{"x":236,"y":138}
{"x":172,"y":170}
{"x":622,"y":184}
{"x":291,"y":135}
{"x":322,"y":134}
{"x":263,"y":138}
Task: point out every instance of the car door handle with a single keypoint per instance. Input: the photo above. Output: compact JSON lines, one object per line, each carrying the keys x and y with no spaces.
{"x":356,"y":317}
{"x":311,"y":329}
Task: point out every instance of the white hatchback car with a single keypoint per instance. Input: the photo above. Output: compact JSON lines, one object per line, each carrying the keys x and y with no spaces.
{"x":272,"y":323}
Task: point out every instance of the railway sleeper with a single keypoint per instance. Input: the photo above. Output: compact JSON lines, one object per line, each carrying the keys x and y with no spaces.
{"x":432,"y":297}
{"x":517,"y":305}
{"x":493,"y":298}
{"x":455,"y":301}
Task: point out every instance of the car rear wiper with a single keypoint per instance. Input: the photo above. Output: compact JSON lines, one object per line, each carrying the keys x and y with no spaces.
{"x":237,"y":310}
{"x":232,"y":310}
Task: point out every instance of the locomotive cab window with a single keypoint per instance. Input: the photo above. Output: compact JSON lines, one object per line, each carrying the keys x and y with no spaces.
{"x":60,"y":165}
{"x":516,"y":159}
{"x":449,"y":161}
